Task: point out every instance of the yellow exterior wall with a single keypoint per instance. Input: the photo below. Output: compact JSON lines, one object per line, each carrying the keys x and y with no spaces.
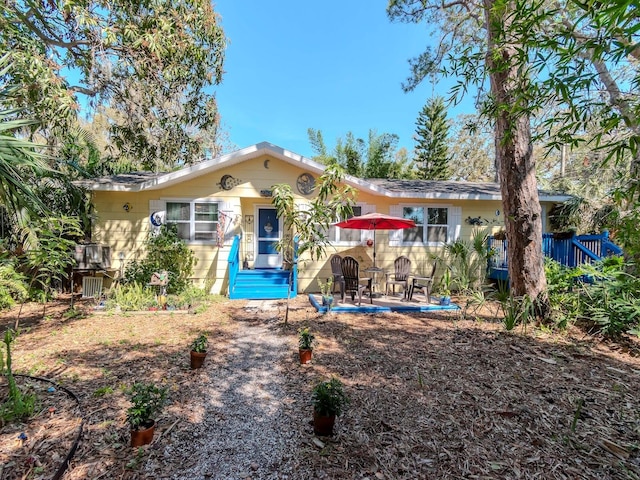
{"x":126,"y":231}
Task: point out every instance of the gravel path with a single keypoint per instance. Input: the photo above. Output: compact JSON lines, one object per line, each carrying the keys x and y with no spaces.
{"x":243,"y":431}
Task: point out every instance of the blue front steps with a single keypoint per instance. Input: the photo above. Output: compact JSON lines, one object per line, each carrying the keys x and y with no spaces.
{"x":261,"y":285}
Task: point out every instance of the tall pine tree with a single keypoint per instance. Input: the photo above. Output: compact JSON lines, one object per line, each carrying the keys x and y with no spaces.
{"x":432,"y":152}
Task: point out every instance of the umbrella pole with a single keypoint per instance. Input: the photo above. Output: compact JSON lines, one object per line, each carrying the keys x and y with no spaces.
{"x":374,"y":248}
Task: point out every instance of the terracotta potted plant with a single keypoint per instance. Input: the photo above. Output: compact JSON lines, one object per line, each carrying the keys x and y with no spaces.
{"x":198,"y":351}
{"x":329,"y":400}
{"x":306,"y":342}
{"x":147,"y":401}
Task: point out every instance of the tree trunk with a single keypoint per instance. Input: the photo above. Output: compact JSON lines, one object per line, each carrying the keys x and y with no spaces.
{"x":514,"y":156}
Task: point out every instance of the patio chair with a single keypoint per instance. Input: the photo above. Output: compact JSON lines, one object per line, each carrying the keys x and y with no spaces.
{"x":400,"y":276}
{"x":353,"y":284}
{"x":338,"y":278}
{"x":423,"y":283}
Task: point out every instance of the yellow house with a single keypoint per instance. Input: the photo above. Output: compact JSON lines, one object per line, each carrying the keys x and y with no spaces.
{"x":229,"y":197}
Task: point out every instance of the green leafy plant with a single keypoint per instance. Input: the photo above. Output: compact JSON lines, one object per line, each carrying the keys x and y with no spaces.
{"x":329,"y":397}
{"x":517,"y":310}
{"x":309,"y":225}
{"x":306,"y":339}
{"x":200,"y":344}
{"x":147,"y":401}
{"x":102,"y":391}
{"x":12,"y":285}
{"x":467,"y":260}
{"x":18,"y":405}
{"x":130,"y":297}
{"x":166,"y":251}
{"x":445,"y":283}
{"x":602,"y":296}
{"x":326,"y":288}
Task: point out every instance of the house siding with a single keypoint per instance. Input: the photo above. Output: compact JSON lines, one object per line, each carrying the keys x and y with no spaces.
{"x":126,"y":231}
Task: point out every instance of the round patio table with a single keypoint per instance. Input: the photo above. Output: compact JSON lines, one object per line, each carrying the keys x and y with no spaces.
{"x":374,"y":272}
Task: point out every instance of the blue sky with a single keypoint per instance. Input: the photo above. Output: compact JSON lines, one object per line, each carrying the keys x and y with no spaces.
{"x":333,"y":65}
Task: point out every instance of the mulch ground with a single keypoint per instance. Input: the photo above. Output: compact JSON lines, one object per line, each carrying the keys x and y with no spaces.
{"x":432,"y":395}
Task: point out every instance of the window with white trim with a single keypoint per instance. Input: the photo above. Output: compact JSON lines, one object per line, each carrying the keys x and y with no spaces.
{"x":195,"y":221}
{"x":346,"y":235}
{"x":432,"y":224}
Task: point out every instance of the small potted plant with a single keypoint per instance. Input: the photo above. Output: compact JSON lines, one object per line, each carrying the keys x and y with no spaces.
{"x":306,"y":342}
{"x":147,"y":401}
{"x":199,"y":351}
{"x":329,"y":400}
{"x":445,"y":288}
{"x":326,"y":291}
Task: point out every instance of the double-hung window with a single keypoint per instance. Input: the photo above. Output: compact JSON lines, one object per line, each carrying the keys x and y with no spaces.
{"x":432,"y":224}
{"x":346,"y":235}
{"x":195,"y":221}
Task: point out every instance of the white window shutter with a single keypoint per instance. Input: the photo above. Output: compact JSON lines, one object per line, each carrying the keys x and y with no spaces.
{"x":367,"y":208}
{"x":455,"y":223}
{"x":303,"y":208}
{"x":157,"y":214}
{"x":395,"y":236}
{"x":230,"y":212}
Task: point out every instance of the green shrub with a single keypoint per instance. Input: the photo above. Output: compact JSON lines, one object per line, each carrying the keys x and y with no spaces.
{"x":13,"y":287}
{"x":165,"y":251}
{"x":600,"y":297}
{"x":467,"y":261}
{"x":130,"y":297}
{"x":18,"y":405}
{"x":517,"y":310}
{"x":192,"y":295}
{"x":611,"y":304}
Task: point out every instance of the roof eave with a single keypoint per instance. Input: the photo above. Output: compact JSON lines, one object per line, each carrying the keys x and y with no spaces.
{"x":230,"y":159}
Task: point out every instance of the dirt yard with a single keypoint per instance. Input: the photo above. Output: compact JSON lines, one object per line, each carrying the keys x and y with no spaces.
{"x":432,"y":396}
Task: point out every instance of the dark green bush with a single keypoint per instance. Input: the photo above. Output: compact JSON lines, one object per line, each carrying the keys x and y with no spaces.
{"x":165,"y":251}
{"x":601,"y":297}
{"x":13,"y":286}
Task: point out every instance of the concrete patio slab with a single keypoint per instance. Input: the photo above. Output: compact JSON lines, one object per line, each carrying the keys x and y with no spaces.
{"x":381,"y":304}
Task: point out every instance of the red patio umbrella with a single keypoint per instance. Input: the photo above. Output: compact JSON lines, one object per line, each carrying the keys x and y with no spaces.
{"x":376,"y":221}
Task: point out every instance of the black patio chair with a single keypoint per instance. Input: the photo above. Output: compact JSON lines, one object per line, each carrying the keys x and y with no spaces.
{"x":400,"y":275}
{"x":423,"y":283}
{"x":353,"y":284}
{"x":338,"y":278}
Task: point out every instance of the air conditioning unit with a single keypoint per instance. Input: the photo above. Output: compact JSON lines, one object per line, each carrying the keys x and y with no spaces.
{"x":92,"y":256}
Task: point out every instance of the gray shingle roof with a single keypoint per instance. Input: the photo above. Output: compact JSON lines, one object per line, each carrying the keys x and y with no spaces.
{"x":416,"y":189}
{"x":435,"y":188}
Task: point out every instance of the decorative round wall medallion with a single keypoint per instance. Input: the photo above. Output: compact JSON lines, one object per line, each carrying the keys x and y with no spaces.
{"x":305,"y":183}
{"x":226,"y":182}
{"x":156,"y":219}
